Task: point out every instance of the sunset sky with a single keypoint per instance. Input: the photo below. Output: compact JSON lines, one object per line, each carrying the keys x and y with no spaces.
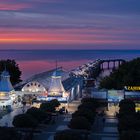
{"x":69,"y":24}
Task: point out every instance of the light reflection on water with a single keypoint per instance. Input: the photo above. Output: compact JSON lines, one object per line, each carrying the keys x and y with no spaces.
{"x":29,"y":68}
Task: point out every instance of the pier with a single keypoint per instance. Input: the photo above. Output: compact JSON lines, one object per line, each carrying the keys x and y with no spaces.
{"x":111,"y":64}
{"x":93,"y":69}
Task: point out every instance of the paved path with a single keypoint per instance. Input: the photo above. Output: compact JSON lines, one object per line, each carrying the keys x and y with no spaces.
{"x":7,"y":119}
{"x":104,"y":130}
{"x":48,"y":132}
{"x":61,"y":124}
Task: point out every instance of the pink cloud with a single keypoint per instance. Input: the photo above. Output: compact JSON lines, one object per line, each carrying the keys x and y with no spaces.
{"x":69,"y":36}
{"x":13,"y":7}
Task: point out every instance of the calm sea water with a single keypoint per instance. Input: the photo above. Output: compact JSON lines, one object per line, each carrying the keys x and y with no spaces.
{"x":36,"y":61}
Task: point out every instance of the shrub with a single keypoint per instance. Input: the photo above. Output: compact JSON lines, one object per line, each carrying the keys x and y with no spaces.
{"x":93,"y":102}
{"x":25,"y":121}
{"x":38,"y":114}
{"x":88,"y":105}
{"x":79,"y":123}
{"x":127,"y":106}
{"x":87,"y":113}
{"x":55,"y":103}
{"x":48,"y":107}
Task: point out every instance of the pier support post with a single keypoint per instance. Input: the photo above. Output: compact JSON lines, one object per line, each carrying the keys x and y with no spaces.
{"x":102,"y":66}
{"x":108,"y":65}
{"x":113,"y":64}
{"x":119,"y":63}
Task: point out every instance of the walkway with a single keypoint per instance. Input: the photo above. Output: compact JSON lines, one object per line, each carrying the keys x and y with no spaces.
{"x":7,"y":119}
{"x":104,"y":131}
{"x":61,"y":124}
{"x":50,"y":130}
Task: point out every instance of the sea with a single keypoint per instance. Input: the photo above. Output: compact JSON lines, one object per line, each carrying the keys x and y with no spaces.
{"x":36,"y":61}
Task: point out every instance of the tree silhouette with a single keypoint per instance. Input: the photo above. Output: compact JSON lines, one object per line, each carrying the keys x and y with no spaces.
{"x":13,"y":68}
{"x":128,"y":74}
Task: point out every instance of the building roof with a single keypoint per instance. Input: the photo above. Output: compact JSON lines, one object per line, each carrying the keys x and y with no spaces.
{"x":44,"y":78}
{"x":57,"y":73}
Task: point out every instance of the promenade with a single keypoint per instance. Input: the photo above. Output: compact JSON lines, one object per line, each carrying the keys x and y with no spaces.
{"x":7,"y":119}
{"x":104,"y":130}
{"x":48,"y":131}
{"x":100,"y":131}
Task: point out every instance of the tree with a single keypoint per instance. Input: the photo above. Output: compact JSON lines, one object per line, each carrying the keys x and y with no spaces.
{"x":93,"y":101}
{"x":130,"y":135}
{"x":87,"y":113}
{"x":7,"y":133}
{"x":55,"y":103}
{"x":88,"y":105}
{"x":127,"y":106}
{"x":13,"y":68}
{"x":127,"y":122}
{"x":38,"y":114}
{"x":127,"y":74}
{"x":47,"y":106}
{"x":79,"y":123}
{"x":25,"y":121}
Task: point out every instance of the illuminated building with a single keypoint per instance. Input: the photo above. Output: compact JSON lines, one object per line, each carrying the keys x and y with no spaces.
{"x":7,"y":94}
{"x":56,"y":88}
{"x":33,"y":87}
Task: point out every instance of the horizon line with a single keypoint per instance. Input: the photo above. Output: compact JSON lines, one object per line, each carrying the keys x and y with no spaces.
{"x":69,"y":49}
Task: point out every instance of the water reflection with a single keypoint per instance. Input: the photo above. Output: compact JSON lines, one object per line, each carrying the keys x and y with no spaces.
{"x":30,"y":68}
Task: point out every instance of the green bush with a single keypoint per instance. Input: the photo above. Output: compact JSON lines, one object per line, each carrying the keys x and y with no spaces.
{"x":87,"y":113}
{"x":55,"y":103}
{"x":25,"y":121}
{"x":127,"y":107}
{"x":88,"y":105}
{"x":128,"y":74}
{"x":92,"y":101}
{"x":79,"y":123}
{"x":38,"y":114}
{"x":47,"y":107}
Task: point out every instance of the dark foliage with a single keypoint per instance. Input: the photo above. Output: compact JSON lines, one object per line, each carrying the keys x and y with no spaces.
{"x":127,"y":107}
{"x":25,"y":121}
{"x":37,"y":114}
{"x":47,"y":107}
{"x":8,"y":134}
{"x":128,"y":74}
{"x":79,"y":123}
{"x":67,"y":135}
{"x":55,"y":103}
{"x":129,"y":121}
{"x":50,"y":106}
{"x":88,"y":105}
{"x":94,"y":102}
{"x":130,"y":135}
{"x":87,"y":113}
{"x":13,"y":68}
